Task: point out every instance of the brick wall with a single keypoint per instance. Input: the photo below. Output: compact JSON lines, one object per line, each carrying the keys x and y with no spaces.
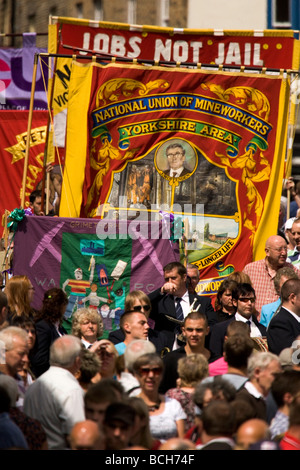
{"x":33,"y":15}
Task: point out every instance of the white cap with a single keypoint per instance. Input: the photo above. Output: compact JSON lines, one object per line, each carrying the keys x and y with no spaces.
{"x":289,"y":223}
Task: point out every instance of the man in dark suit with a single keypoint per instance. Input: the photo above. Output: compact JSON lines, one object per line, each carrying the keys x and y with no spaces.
{"x":243,"y":298}
{"x":284,"y":327}
{"x":165,"y":310}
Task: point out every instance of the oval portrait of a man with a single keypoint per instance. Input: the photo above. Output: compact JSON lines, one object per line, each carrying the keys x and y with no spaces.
{"x":175,"y":158}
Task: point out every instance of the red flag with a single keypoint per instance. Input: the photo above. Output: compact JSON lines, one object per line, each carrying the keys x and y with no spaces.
{"x":13,"y":138}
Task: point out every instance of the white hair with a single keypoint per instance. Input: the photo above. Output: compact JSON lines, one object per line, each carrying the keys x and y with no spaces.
{"x":65,"y":350}
{"x":261,"y":360}
{"x":135,"y":349}
{"x":8,"y":334}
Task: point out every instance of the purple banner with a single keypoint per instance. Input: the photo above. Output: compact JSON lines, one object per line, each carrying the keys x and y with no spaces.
{"x":100,"y":261}
{"x":16,"y":71}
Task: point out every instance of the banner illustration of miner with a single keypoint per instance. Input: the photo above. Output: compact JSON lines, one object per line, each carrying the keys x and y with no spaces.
{"x":223,"y":134}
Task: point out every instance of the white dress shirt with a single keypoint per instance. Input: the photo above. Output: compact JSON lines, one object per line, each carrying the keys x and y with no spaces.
{"x":254,"y":331}
{"x":56,"y":400}
{"x":176,"y":172}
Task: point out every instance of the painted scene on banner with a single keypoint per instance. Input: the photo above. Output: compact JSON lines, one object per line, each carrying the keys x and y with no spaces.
{"x":210,"y":156}
{"x":94,"y":271}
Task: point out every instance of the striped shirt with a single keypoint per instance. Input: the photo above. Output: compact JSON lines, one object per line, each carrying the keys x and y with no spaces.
{"x":263,"y":282}
{"x":294,"y":257}
{"x":79,"y":286}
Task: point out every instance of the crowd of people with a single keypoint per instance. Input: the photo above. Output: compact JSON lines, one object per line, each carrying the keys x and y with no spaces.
{"x":183,"y":372}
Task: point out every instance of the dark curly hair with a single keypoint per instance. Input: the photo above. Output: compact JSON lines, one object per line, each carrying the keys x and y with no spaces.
{"x":53,"y":302}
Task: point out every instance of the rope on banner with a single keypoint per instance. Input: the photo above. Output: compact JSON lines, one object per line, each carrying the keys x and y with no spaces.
{"x":108,"y":57}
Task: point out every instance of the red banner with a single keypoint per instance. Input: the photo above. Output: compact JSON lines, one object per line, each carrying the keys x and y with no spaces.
{"x":13,"y":138}
{"x":267,"y":48}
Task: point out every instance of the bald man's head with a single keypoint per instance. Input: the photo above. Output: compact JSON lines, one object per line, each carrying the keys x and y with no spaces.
{"x":276,"y":251}
{"x":176,"y":443}
{"x":86,"y":435}
{"x":252,"y":431}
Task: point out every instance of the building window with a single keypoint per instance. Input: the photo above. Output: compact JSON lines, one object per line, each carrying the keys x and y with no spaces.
{"x":165,"y":12}
{"x":281,"y":14}
{"x":31,"y":23}
{"x":79,"y":10}
{"x":53,"y":11}
{"x":98,"y":10}
{"x":131,"y":12}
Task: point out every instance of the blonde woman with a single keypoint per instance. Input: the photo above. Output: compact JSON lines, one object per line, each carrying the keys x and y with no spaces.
{"x":19,"y":291}
{"x":87,"y":325}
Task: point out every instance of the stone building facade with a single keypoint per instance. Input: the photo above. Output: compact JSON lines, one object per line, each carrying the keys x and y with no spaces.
{"x":19,"y":16}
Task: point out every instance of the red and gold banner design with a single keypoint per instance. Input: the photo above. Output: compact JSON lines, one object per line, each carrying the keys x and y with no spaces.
{"x":13,"y":138}
{"x":267,"y":48}
{"x":275,"y":49}
{"x":130,"y":125}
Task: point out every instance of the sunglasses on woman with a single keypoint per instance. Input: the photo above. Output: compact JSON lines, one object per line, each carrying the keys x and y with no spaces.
{"x":144,"y":371}
{"x":138,"y":308}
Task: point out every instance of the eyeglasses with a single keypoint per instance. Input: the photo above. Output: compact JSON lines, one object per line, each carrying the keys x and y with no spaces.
{"x":247,"y":299}
{"x":177,"y":154}
{"x":138,"y":308}
{"x":280,"y":250}
{"x":143,"y":371}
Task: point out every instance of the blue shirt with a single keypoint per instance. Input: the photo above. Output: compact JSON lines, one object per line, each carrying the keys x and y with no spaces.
{"x":267,"y":312}
{"x":279,"y":424}
{"x":10,"y":434}
{"x":120,"y":347}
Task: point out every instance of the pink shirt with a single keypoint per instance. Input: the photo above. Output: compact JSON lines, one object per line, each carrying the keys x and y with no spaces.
{"x":217,"y":367}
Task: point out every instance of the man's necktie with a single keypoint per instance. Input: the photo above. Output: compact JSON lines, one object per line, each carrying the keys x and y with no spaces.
{"x":180,"y":317}
{"x":178,"y":309}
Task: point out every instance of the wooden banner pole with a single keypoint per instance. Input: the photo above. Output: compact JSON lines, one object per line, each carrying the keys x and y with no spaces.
{"x":28,"y":131}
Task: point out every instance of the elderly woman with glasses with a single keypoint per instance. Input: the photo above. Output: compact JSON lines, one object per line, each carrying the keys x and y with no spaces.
{"x":167,"y":418}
